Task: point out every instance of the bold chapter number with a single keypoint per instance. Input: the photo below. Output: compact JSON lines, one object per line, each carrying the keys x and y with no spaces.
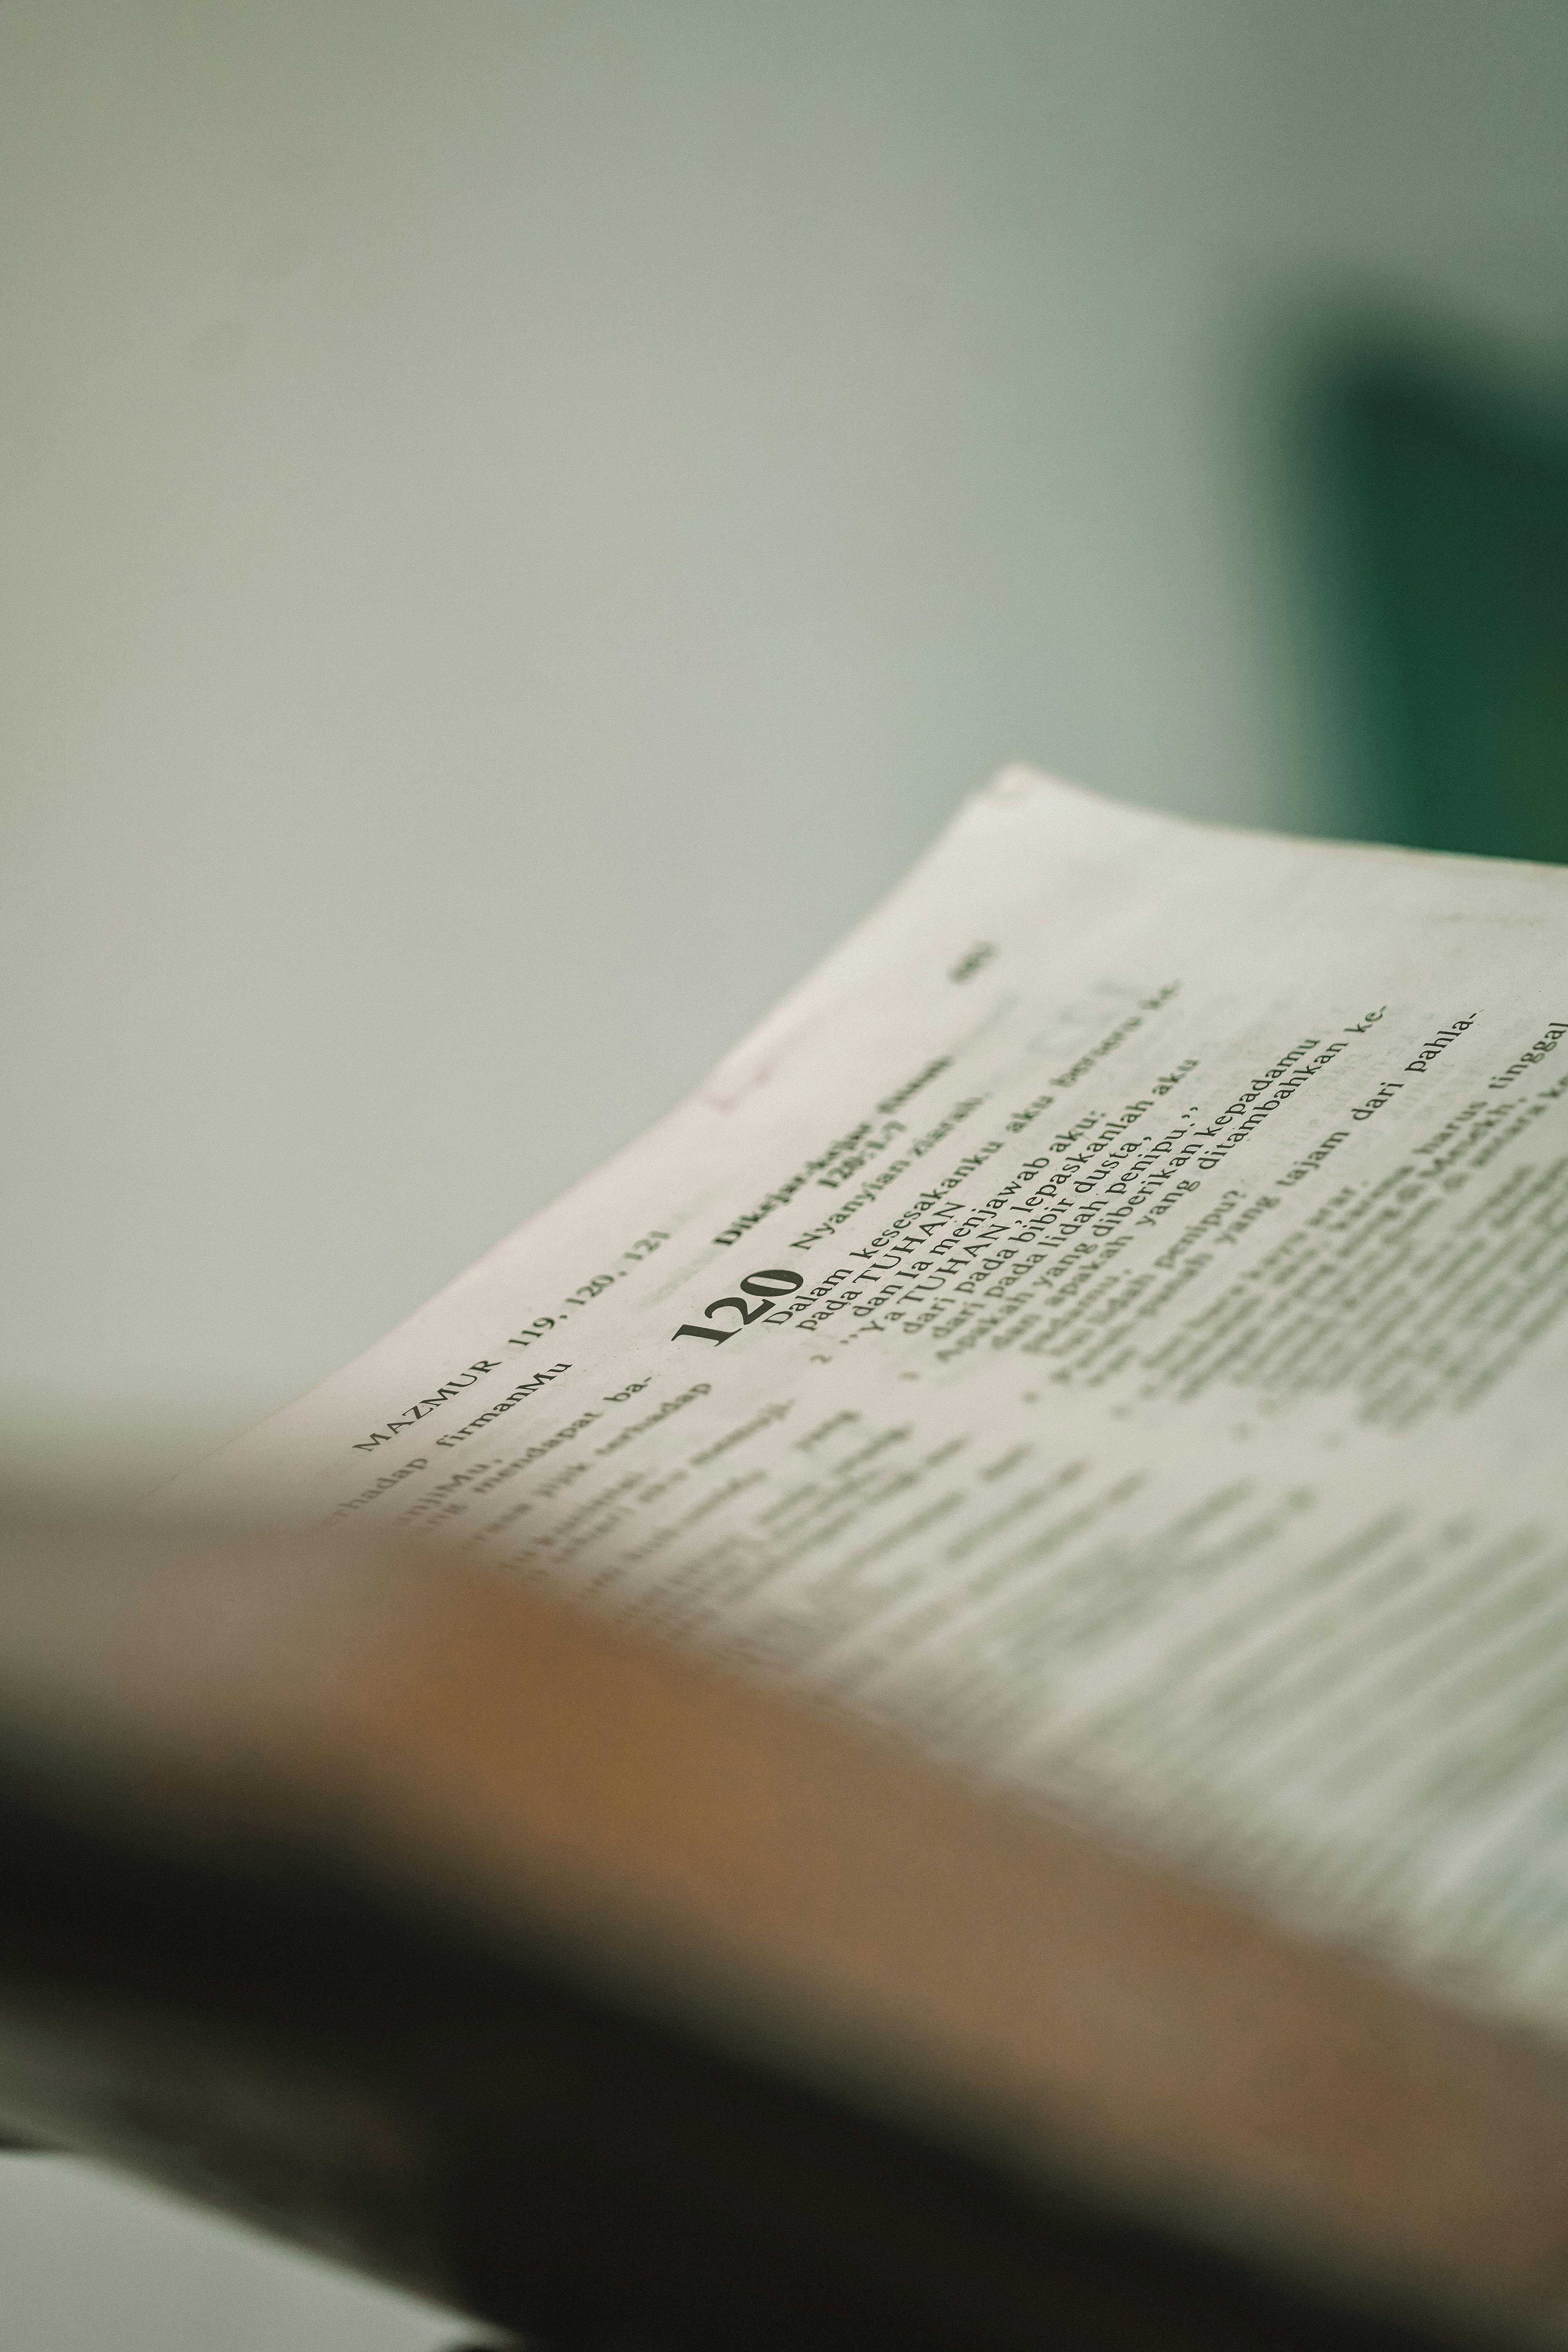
{"x":762,"y":1289}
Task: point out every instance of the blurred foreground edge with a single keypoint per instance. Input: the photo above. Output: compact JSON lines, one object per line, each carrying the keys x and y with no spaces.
{"x":601,"y":1994}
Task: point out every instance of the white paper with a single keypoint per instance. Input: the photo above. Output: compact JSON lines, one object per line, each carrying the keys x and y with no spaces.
{"x":1155,"y":1244}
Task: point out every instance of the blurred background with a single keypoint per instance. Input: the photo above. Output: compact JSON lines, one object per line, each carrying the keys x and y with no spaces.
{"x":518,"y":519}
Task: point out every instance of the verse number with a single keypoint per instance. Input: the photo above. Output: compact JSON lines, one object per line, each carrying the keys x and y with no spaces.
{"x":762,"y":1289}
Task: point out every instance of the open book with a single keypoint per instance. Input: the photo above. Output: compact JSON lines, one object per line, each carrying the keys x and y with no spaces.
{"x":1091,"y":1372}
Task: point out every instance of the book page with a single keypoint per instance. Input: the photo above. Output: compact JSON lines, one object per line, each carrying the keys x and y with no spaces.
{"x":1108,"y":1325}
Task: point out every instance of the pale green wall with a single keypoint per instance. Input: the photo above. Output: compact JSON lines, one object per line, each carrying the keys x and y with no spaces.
{"x":517,"y":520}
{"x":90,"y":2264}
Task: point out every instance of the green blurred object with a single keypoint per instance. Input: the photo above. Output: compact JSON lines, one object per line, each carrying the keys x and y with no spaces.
{"x":1453,"y":563}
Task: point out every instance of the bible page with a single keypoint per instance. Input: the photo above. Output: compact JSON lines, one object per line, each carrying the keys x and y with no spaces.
{"x":1108,"y":1325}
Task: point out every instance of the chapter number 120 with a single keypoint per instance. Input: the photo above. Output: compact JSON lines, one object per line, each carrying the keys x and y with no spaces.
{"x":761,"y":1290}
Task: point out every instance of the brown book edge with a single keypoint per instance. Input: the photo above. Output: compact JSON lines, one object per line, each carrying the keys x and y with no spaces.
{"x":569,"y":1978}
